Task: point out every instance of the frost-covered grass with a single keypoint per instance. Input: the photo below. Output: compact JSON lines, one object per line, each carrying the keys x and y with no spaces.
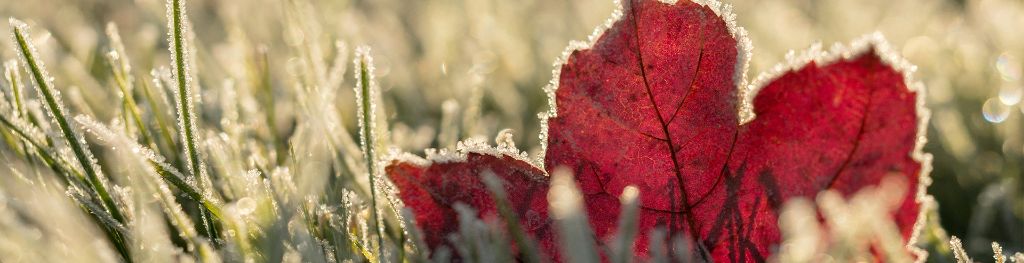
{"x":232,"y":150}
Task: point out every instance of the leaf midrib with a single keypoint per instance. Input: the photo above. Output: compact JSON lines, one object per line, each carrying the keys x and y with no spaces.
{"x":684,"y":196}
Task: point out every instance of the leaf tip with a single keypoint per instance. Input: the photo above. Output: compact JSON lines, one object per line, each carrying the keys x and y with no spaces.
{"x":629,"y":194}
{"x":564,"y":198}
{"x":16,"y":24}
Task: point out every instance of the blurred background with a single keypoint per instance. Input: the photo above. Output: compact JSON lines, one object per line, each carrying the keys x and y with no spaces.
{"x":454,"y":69}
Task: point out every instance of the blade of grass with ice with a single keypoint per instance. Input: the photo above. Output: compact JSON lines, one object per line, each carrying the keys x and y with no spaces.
{"x":34,"y":138}
{"x":566,"y":201}
{"x":124,"y":84}
{"x":121,"y":69}
{"x":622,"y":249}
{"x":145,"y":159}
{"x":177,"y":24}
{"x":163,"y":130}
{"x":164,"y":172}
{"x":958,"y":250}
{"x":265,"y":96}
{"x":158,"y":164}
{"x":366,"y":90}
{"x":13,"y":78}
{"x":415,"y":235}
{"x":6,"y":135}
{"x":107,"y":208}
{"x":56,"y":111}
{"x":527,"y":246}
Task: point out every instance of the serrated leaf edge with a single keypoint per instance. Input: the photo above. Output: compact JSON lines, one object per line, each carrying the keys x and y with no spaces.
{"x":747,"y":90}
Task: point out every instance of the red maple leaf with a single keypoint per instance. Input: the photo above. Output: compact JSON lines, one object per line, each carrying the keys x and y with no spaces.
{"x":659,"y":100}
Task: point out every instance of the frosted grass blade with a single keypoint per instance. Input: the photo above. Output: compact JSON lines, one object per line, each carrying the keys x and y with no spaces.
{"x":566,"y":201}
{"x":177,"y":24}
{"x":56,"y":110}
{"x":527,"y":246}
{"x":123,"y":81}
{"x":163,"y":130}
{"x":622,"y":248}
{"x":121,"y":69}
{"x":366,"y":92}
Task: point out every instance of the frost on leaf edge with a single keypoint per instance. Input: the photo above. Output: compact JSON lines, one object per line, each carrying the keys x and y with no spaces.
{"x":747,"y":89}
{"x":723,"y":11}
{"x":877,"y":44}
{"x":479,"y":146}
{"x":461,"y":153}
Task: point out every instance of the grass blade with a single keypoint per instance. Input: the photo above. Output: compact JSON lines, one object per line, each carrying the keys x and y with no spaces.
{"x":74,"y":140}
{"x":123,"y":81}
{"x":163,"y":174}
{"x":366,"y":91}
{"x":157,"y":163}
{"x":35,"y":140}
{"x":566,"y":203}
{"x":158,"y":116}
{"x":622,"y":249}
{"x":415,"y":235}
{"x":121,"y":69}
{"x":56,"y":110}
{"x":13,"y":78}
{"x":527,"y":247}
{"x":177,"y":24}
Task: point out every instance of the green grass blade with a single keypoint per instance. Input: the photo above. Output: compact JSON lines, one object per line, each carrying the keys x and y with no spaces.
{"x":165,"y":173}
{"x":416,"y":236}
{"x":622,"y":248}
{"x":8,"y":138}
{"x":13,"y":78}
{"x":124,"y":85}
{"x":163,"y":129}
{"x":115,"y":231}
{"x":11,"y":142}
{"x":527,"y":247}
{"x":265,"y":96}
{"x":74,"y":140}
{"x":57,"y":112}
{"x":14,"y":82}
{"x":121,"y":69}
{"x":575,"y":235}
{"x":34,"y":138}
{"x":177,"y":24}
{"x":73,"y":179}
{"x":366,"y":91}
{"x":165,"y":170}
